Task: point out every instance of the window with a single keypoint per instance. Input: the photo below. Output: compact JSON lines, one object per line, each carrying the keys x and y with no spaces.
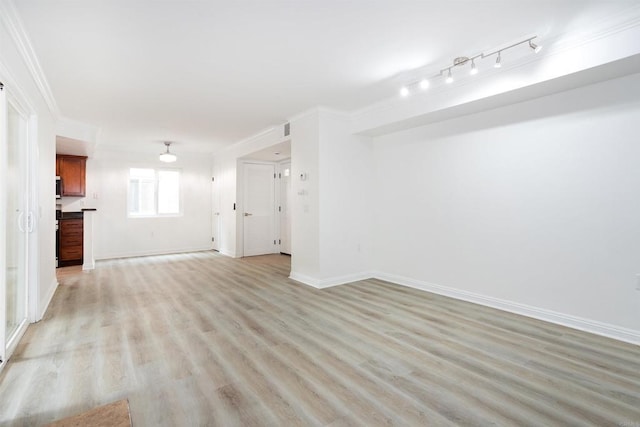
{"x":154,"y":192}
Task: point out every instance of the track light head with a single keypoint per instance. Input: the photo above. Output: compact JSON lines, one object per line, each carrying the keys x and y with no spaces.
{"x":473,"y":70}
{"x":536,"y":47}
{"x":424,"y":84}
{"x":404,"y":91}
{"x":498,"y":63}
{"x":449,"y":78}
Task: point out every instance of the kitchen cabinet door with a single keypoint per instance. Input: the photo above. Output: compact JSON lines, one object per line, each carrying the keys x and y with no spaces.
{"x":72,"y":170}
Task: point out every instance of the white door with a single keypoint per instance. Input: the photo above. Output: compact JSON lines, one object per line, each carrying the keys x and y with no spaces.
{"x":285,"y":208}
{"x":215,"y":204}
{"x":259,"y":209}
{"x":16,"y":225}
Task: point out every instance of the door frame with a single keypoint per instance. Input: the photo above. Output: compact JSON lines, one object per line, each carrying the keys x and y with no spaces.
{"x":3,"y":222}
{"x":279,"y":199}
{"x":215,"y":212}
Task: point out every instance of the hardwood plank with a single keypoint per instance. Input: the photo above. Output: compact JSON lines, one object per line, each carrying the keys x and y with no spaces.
{"x":115,"y":414}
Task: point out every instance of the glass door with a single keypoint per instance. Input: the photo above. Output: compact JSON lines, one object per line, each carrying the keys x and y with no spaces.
{"x":17,"y":222}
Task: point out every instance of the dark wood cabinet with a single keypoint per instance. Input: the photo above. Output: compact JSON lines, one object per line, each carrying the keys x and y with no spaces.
{"x":72,"y":171}
{"x":71,"y":237}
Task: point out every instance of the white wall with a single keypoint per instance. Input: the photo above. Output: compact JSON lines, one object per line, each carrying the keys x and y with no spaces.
{"x":345,"y":200}
{"x":331,"y":209}
{"x":305,"y":225}
{"x":19,"y":82}
{"x":116,"y":235}
{"x":535,"y":205}
{"x":226,"y":176}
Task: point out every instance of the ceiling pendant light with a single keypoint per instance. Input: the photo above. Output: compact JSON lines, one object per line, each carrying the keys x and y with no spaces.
{"x":473,"y":70}
{"x":168,"y":157}
{"x":449,"y":78}
{"x":536,"y":47}
{"x":498,"y":63}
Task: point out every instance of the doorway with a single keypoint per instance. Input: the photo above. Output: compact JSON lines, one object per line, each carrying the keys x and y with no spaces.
{"x":274,"y":184}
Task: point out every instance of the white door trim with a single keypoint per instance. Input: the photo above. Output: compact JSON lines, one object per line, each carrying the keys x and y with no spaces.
{"x":284,"y":215}
{"x":215,"y":211}
{"x":3,"y":221}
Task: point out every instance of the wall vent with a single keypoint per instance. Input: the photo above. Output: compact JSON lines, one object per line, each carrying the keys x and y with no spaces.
{"x":287,"y":129}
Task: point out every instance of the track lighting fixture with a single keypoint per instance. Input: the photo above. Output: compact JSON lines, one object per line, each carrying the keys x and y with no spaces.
{"x":498,"y":63}
{"x":463,"y":60}
{"x":168,"y":157}
{"x":536,"y":47}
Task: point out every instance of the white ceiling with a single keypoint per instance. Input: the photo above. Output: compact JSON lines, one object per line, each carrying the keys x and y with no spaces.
{"x":207,"y":73}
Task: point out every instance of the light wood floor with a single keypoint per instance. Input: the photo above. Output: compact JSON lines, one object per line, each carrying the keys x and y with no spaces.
{"x":202,"y":339}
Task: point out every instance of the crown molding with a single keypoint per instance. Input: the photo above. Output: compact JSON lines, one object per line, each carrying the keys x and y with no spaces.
{"x":248,"y":139}
{"x":304,"y":113}
{"x":11,"y":19}
{"x":317,"y":110}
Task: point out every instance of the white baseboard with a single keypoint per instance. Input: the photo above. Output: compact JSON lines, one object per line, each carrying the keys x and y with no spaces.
{"x":599,"y":328}
{"x":332,"y":281}
{"x":52,"y":291}
{"x":151,"y":253}
{"x":89,"y":265}
{"x":227,"y":253}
